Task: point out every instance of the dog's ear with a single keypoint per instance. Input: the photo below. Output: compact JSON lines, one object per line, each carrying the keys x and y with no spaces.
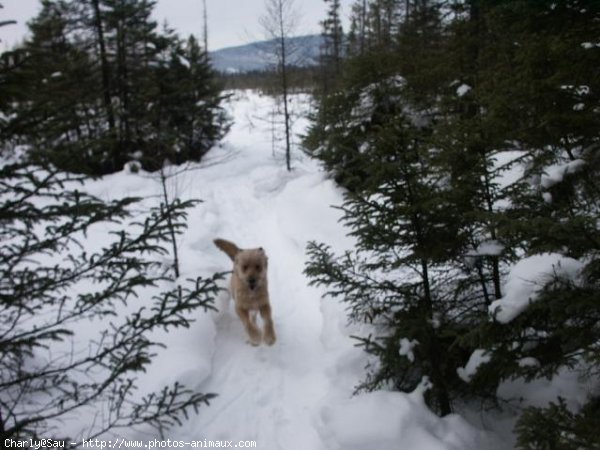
{"x":264,"y":255}
{"x":228,"y":247}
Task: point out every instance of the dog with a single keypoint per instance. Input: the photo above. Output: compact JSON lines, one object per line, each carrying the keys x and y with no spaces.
{"x":249,"y":289}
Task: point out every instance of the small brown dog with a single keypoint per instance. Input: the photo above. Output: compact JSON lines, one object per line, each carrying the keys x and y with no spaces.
{"x":250,"y":290}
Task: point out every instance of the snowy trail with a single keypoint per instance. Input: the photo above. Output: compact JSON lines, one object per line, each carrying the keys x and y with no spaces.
{"x":267,"y":394}
{"x":296,"y":394}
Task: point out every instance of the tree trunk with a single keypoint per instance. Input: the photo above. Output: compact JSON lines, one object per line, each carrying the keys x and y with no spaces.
{"x":435,"y":349}
{"x":284,"y":88}
{"x":363,"y":27}
{"x":163,"y":182}
{"x":104,"y":67}
{"x":205,"y":28}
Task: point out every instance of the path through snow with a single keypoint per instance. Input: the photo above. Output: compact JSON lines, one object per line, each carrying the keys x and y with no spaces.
{"x":268,"y":394}
{"x":298,"y":393}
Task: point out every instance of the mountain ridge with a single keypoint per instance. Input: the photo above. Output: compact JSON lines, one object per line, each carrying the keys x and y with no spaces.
{"x":260,"y":55}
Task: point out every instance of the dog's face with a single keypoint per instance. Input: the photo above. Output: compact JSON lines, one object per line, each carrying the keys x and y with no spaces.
{"x":250,"y":267}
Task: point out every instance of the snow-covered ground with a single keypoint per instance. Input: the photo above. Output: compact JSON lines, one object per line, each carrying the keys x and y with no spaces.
{"x":297,"y":394}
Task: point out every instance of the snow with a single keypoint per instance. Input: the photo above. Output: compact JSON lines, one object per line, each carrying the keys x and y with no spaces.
{"x":528,"y":362}
{"x":555,"y":173}
{"x":477,"y":358}
{"x":400,"y":418}
{"x":569,"y":384}
{"x":589,"y":45}
{"x":507,"y":171}
{"x":364,"y":108}
{"x":297,"y":394}
{"x":579,"y":90}
{"x":463,"y":89}
{"x":527,"y":278}
{"x":488,"y":248}
{"x":406,"y":348}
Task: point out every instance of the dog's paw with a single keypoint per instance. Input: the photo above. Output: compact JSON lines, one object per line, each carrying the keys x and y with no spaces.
{"x":270,"y":337}
{"x":254,"y":337}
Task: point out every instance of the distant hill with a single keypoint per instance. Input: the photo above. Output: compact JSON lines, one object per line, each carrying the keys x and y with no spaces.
{"x":304,"y":51}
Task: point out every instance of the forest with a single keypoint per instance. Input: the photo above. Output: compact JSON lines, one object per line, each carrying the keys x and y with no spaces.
{"x":466,"y":135}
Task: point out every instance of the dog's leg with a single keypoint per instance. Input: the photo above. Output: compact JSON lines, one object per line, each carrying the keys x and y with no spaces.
{"x":253,"y":313}
{"x":269,"y":329}
{"x":253,"y":332}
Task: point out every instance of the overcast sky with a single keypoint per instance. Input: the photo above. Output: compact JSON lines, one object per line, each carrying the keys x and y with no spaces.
{"x":230,"y":22}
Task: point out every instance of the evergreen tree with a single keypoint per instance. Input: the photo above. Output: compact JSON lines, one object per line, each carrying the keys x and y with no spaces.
{"x":551,"y":79}
{"x":383,"y":20}
{"x":105,"y":57}
{"x":333,"y":45}
{"x":357,"y":34}
{"x":52,"y":287}
{"x":6,"y":61}
{"x":133,"y":45}
{"x":556,"y":427}
{"x":475,"y":149}
{"x":496,"y":125}
{"x":398,"y":278}
{"x":53,"y":101}
{"x":184,"y":112}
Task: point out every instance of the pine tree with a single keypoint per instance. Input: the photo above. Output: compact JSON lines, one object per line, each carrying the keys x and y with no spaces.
{"x":489,"y":120}
{"x":357,"y":38}
{"x":53,"y":102}
{"x":398,"y":277}
{"x":183,"y":118}
{"x":333,"y":45}
{"x":6,"y":64}
{"x":98,"y":114}
{"x":539,"y":94}
{"x":51,"y":284}
{"x":133,"y":46}
{"x":383,"y":21}
{"x":556,"y":427}
{"x":535,"y":86}
{"x":475,"y":149}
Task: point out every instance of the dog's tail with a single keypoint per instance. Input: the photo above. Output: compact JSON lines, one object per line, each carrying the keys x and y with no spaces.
{"x":228,"y":247}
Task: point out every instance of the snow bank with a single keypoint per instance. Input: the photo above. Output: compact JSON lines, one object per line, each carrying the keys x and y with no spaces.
{"x":384,"y":420}
{"x":527,"y":278}
{"x":554,"y":174}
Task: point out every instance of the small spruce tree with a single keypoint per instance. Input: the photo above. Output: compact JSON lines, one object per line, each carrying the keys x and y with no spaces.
{"x":53,"y":283}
